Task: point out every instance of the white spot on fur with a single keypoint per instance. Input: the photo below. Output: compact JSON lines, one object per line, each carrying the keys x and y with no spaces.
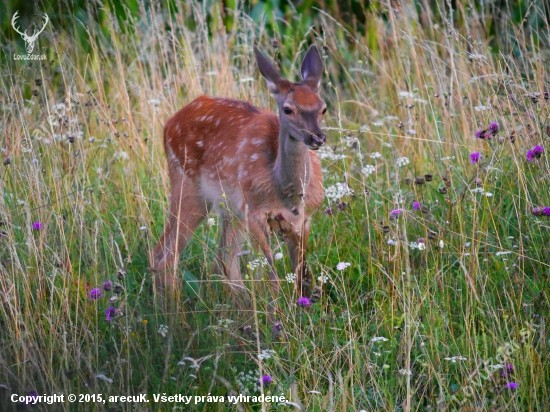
{"x":202,"y":118}
{"x":242,"y":144}
{"x":254,"y":157}
{"x":200,"y":143}
{"x":218,"y":122}
{"x":257,"y":142}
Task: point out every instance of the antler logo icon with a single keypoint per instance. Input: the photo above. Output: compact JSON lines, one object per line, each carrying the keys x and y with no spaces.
{"x":29,"y":40}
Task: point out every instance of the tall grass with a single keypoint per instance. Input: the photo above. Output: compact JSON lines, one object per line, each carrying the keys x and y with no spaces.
{"x":81,"y":136}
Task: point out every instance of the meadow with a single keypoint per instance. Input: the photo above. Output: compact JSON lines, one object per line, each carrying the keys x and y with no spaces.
{"x":432,"y":247}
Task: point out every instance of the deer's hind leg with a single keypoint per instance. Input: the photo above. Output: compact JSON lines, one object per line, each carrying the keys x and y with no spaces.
{"x":187,"y":210}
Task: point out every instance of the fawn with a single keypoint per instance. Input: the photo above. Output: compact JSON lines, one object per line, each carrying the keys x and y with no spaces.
{"x":259,"y":171}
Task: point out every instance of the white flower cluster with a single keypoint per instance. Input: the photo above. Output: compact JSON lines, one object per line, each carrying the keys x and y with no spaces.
{"x":163,"y":330}
{"x":454,"y":359}
{"x":481,"y":190}
{"x":326,"y":152}
{"x":351,"y":141}
{"x":375,"y":155}
{"x":368,"y":170}
{"x":266,"y":354}
{"x":256,"y":263}
{"x":336,"y":192}
{"x":291,"y":277}
{"x":419,"y":246}
{"x":225,"y":323}
{"x":324,"y":278}
{"x":379,"y":339}
{"x":248,"y":382}
{"x":211,"y":221}
{"x":402,"y":161}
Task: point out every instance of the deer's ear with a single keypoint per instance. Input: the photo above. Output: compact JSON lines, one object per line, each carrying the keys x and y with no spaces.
{"x":275,"y":81}
{"x":312,"y":68}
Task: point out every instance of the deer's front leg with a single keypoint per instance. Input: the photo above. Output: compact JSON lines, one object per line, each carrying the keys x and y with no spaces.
{"x":297,"y":246}
{"x":260,"y":235}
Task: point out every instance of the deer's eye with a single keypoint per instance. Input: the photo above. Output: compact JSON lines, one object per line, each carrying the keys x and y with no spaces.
{"x":287,"y":111}
{"x":324,"y":111}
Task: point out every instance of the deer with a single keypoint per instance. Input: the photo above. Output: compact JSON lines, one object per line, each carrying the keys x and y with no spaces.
{"x":258,"y":170}
{"x":29,"y":40}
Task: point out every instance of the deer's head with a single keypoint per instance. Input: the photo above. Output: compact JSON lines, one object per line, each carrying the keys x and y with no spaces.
{"x":29,"y":40}
{"x":300,"y":107}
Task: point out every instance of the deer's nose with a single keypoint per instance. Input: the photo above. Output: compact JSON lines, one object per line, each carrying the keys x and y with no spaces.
{"x":319,"y":139}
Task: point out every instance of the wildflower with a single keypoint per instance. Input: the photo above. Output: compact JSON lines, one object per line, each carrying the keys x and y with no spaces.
{"x":328,"y":211}
{"x":266,"y":354}
{"x":511,"y":385}
{"x":336,"y":192}
{"x":546,"y":211}
{"x":277,"y":326}
{"x":291,"y":277}
{"x":375,"y":155}
{"x":421,"y":246}
{"x":379,"y":339}
{"x":416,"y":205}
{"x":107,"y":285}
{"x":456,"y":358}
{"x":163,"y":330}
{"x":508,"y":370}
{"x":368,"y":170}
{"x":278,"y":256}
{"x":482,"y":134}
{"x":402,"y":161}
{"x":494,"y":128}
{"x":396,"y":212}
{"x":304,"y":302}
{"x":211,"y":221}
{"x":342,"y":206}
{"x":420,"y":240}
{"x":32,"y":395}
{"x":266,"y":380}
{"x":110,"y":313}
{"x":474,"y":157}
{"x":537,"y":151}
{"x":95,"y":293}
{"x":37,"y":226}
{"x":530,"y":155}
{"x":342,"y":265}
{"x":323,"y":278}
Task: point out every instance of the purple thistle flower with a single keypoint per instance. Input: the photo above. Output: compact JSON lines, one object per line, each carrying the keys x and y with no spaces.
{"x":531,"y":155}
{"x":328,"y":211}
{"x":474,"y":157}
{"x":494,"y":128}
{"x":482,"y":134}
{"x":546,"y":211}
{"x":416,"y":205}
{"x":511,"y":385}
{"x":537,"y":151}
{"x":304,"y":302}
{"x":110,"y":313}
{"x":266,"y":380}
{"x":107,"y":285}
{"x":396,"y":212}
{"x":508,"y":370}
{"x":420,"y":240}
{"x":95,"y":293}
{"x":277,"y":326}
{"x":33,"y":395}
{"x":37,"y":226}
{"x":537,"y":211}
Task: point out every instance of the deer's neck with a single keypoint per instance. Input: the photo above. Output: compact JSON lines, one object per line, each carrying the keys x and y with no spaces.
{"x":292,"y":168}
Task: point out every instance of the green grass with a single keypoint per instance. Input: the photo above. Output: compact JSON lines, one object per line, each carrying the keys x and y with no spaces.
{"x":400,"y":88}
